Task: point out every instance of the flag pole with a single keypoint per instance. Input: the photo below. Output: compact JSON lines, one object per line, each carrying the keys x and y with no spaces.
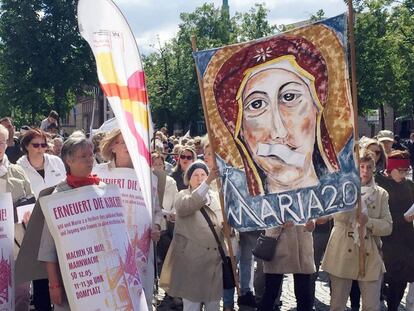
{"x":226,"y":227}
{"x":351,"y":38}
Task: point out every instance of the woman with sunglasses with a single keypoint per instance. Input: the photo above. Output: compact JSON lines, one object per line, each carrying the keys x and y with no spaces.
{"x":186,"y":157}
{"x":377,"y":148}
{"x":44,"y":171}
{"x":398,"y":247}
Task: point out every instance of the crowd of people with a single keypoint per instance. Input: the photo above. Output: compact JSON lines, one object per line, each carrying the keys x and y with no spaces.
{"x":188,"y":230}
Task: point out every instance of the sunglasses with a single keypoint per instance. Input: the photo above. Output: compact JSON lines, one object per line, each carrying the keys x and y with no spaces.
{"x":42,"y":145}
{"x":377,"y":152}
{"x":183,"y":157}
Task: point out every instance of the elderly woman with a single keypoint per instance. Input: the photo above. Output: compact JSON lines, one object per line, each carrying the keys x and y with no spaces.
{"x":341,"y":259}
{"x":193,"y":267}
{"x":398,"y":247}
{"x":18,"y":185}
{"x":186,"y":156}
{"x":77,"y":156}
{"x":114,"y":150}
{"x":44,"y":170}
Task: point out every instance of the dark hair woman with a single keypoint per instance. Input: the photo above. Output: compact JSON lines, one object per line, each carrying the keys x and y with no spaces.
{"x":398,"y":248}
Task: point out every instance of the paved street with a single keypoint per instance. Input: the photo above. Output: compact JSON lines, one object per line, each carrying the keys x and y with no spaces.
{"x":288,"y":297}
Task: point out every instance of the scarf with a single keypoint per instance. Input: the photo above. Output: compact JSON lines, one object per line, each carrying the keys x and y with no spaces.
{"x":76,"y":182}
{"x":4,"y":166}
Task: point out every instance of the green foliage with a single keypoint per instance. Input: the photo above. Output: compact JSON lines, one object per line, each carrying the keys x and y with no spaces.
{"x":384,"y":46}
{"x":44,"y":62}
{"x":320,"y":14}
{"x":254,"y":24}
{"x":171,"y":78}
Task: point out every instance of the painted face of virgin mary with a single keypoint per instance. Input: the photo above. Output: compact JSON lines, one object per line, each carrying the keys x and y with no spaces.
{"x":278,"y":127}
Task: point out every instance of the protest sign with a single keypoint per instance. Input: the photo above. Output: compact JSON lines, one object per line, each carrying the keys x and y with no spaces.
{"x":96,"y":255}
{"x":6,"y":252}
{"x":138,"y":217}
{"x":23,"y":211}
{"x":281,"y":120}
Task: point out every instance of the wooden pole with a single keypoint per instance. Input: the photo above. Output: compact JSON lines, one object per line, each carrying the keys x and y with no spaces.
{"x":226,"y":227}
{"x":356,"y":131}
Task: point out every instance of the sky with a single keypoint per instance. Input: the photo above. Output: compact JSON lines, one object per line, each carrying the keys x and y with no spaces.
{"x":151,"y":18}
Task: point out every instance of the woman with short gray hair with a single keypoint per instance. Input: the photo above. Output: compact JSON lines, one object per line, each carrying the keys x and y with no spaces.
{"x":77,"y":156}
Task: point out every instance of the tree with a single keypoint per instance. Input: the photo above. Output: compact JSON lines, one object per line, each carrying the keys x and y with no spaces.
{"x":44,"y":61}
{"x":378,"y":78}
{"x":254,"y":24}
{"x":171,"y":78}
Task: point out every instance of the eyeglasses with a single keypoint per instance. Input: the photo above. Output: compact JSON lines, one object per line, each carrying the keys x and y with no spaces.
{"x":183,"y":157}
{"x":42,"y":145}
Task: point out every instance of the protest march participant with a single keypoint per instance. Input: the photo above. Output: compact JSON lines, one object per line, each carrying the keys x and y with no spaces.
{"x":193,"y":266}
{"x":294,"y":255}
{"x":341,"y":258}
{"x":186,"y":156}
{"x":228,"y":294}
{"x":380,"y":156}
{"x":114,"y":149}
{"x":398,"y":248}
{"x":13,"y":150}
{"x":77,"y":156}
{"x":53,"y":118}
{"x":386,"y":138}
{"x":167,"y":190}
{"x":43,"y":170}
{"x":18,"y":185}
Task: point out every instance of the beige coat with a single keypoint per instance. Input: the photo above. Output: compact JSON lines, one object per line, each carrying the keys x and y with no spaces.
{"x":18,"y":185}
{"x":193,"y":267}
{"x":294,"y":251}
{"x":342,"y":254}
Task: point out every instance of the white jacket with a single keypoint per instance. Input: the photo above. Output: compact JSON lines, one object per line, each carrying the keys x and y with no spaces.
{"x":54,"y":168}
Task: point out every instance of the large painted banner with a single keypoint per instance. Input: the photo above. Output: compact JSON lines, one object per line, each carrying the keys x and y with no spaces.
{"x":96,"y":255}
{"x":122,"y":79}
{"x":281,"y":119}
{"x":6,"y":252}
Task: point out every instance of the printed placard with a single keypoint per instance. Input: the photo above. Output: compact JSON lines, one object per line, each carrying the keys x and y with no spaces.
{"x":96,"y":255}
{"x":6,"y":252}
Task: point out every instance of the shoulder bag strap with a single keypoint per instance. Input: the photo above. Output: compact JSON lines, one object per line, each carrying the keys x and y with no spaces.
{"x":211,"y":226}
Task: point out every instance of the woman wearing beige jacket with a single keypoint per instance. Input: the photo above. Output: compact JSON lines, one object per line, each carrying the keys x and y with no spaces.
{"x":293,"y":255}
{"x":341,"y":259}
{"x":193,"y":266}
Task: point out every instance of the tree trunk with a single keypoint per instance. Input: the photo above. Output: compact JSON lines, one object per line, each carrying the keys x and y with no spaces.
{"x":382,"y":116}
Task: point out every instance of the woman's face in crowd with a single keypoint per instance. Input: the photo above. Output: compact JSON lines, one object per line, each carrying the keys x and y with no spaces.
{"x":208,"y":157}
{"x":81,"y":162}
{"x":158,"y":164}
{"x":199,"y":175}
{"x":278,"y":109}
{"x":399,"y":174}
{"x":376,"y":150}
{"x":186,"y":158}
{"x":366,"y":171}
{"x":119,"y":148}
{"x":37,"y":147}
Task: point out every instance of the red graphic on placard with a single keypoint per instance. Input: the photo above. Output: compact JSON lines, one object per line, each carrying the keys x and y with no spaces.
{"x":5,"y":280}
